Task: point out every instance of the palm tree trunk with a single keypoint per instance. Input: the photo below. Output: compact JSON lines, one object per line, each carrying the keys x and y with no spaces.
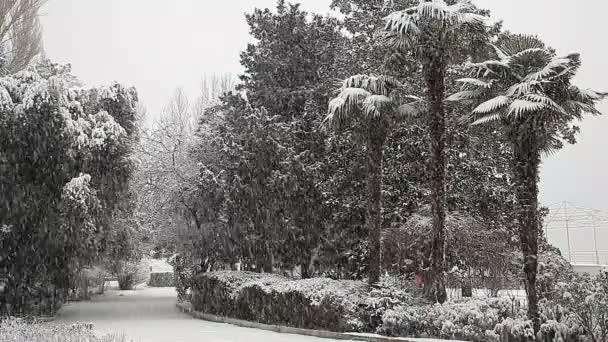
{"x":526,"y":172}
{"x":435,"y":74}
{"x":375,"y":143}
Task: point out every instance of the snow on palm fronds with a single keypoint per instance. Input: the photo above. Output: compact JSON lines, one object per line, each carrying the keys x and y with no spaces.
{"x":371,"y":95}
{"x":404,"y":27}
{"x":532,"y":73}
{"x":528,"y":83}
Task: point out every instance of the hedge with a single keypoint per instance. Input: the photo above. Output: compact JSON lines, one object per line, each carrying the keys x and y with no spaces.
{"x":164,"y":279}
{"x":392,"y":309}
{"x":318,"y":303}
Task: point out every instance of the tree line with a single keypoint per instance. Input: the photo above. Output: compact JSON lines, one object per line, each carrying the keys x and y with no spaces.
{"x":428,"y":158}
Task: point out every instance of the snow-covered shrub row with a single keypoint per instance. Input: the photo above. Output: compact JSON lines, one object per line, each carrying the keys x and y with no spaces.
{"x":318,"y":303}
{"x":13,"y":330}
{"x":470,"y":320}
{"x":164,"y":279}
{"x":576,"y":311}
{"x":580,"y":305}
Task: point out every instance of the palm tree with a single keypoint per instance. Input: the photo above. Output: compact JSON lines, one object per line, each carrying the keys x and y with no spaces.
{"x":530,"y":92}
{"x":377,"y":99}
{"x":429,"y":31}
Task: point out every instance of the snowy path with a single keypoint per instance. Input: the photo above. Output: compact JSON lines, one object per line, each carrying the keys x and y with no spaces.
{"x":150,"y":315}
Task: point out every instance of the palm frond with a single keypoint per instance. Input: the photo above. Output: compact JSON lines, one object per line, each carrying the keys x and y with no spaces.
{"x":578,"y":108}
{"x":520,"y":107}
{"x":585,"y":95}
{"x":517,"y":43}
{"x":401,"y":23}
{"x":408,"y":109}
{"x":492,"y":105}
{"x":476,"y":82}
{"x":465,"y":95}
{"x":501,"y":54}
{"x":551,"y":145}
{"x":523,"y":88}
{"x":353,"y":97}
{"x":346,"y":104}
{"x":397,"y":41}
{"x":492,"y":117}
{"x":487,"y":68}
{"x":469,"y":19}
{"x":546,"y":101}
{"x":377,"y":105}
{"x":414,"y":97}
{"x":381,"y":85}
{"x":556,"y":67}
{"x":436,"y":9}
{"x":534,"y":54}
{"x":406,"y":22}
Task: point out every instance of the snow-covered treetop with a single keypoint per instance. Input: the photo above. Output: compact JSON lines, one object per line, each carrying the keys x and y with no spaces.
{"x":28,"y":91}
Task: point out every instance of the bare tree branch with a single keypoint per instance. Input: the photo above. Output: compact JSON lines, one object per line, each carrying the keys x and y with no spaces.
{"x":20,"y":34}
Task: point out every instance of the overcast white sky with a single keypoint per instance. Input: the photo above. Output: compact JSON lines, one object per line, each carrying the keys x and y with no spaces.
{"x":158,"y":45}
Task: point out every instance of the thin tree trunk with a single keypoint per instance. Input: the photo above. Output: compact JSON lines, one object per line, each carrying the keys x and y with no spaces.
{"x":526,"y":172}
{"x":375,"y":143}
{"x":435,"y":74}
{"x":304,"y":271}
{"x":268,"y":260}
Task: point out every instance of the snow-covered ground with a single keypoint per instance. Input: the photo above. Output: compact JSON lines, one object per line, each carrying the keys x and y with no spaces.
{"x":454,"y":294}
{"x":150,"y":315}
{"x":159,"y":265}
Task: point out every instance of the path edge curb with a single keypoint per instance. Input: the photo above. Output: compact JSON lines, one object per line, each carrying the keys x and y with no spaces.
{"x":187,"y":308}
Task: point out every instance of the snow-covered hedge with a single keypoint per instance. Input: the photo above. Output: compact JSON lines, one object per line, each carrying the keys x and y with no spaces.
{"x":318,"y":303}
{"x":164,"y":279}
{"x":576,"y":311}
{"x":470,"y":320}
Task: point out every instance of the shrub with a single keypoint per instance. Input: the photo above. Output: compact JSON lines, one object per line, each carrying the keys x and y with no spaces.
{"x":182,"y":277}
{"x":471,"y":320}
{"x":576,"y":312}
{"x":165,"y":279}
{"x":13,"y":330}
{"x":553,"y":268}
{"x":129,"y":274}
{"x":318,"y":303}
{"x":582,"y":305}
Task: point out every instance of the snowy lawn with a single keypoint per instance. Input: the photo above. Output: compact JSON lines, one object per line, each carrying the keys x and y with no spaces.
{"x":19,"y":331}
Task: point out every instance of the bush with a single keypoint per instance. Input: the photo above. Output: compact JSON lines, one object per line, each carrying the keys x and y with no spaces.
{"x":319,"y":303}
{"x":553,"y":269}
{"x":581,"y":305}
{"x":165,"y":279}
{"x":182,"y":277}
{"x":576,"y":312}
{"x":13,"y":330}
{"x":129,"y":274}
{"x":471,"y":320}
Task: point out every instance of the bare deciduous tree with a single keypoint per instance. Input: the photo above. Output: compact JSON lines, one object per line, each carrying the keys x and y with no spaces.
{"x":168,"y":174}
{"x":212,"y":88}
{"x":20,"y":34}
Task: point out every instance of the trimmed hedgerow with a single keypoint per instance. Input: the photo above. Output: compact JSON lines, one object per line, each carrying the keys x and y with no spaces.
{"x":319,"y":303}
{"x":165,"y":279}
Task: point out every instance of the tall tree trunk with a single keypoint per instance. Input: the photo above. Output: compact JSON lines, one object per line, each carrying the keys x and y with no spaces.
{"x":526,"y":172}
{"x":435,"y":74}
{"x":375,"y":142}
